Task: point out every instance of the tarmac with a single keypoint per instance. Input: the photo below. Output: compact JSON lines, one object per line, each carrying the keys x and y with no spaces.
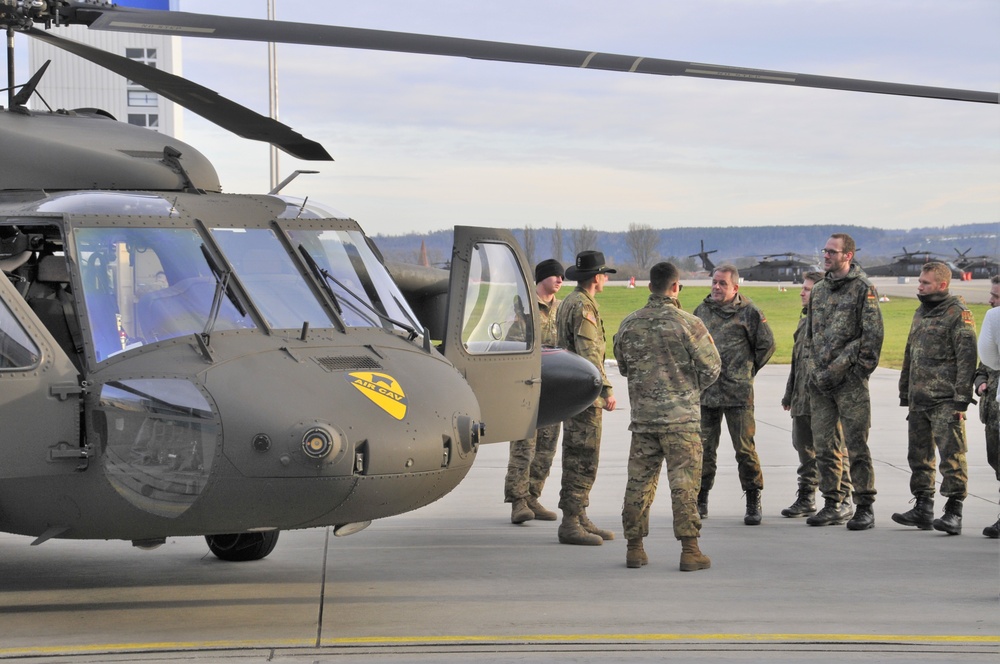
{"x":457,"y":581}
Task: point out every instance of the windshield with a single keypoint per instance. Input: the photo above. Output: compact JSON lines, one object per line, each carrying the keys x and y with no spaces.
{"x":142,"y":285}
{"x":359,"y":281}
{"x":271,"y":278}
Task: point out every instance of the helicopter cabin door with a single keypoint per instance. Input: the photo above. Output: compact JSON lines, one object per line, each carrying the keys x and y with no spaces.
{"x":492,"y":334}
{"x":39,"y":395}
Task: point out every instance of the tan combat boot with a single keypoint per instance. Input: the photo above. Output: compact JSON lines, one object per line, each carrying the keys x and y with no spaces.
{"x":540,"y":512}
{"x":635,"y":556}
{"x":520,"y":512}
{"x":571,"y":532}
{"x":588,"y":525}
{"x":692,"y":559}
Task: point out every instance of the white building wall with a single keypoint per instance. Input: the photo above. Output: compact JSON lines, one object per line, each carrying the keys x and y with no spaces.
{"x":72,"y":82}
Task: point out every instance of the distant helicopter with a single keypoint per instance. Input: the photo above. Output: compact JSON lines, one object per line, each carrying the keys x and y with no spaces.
{"x":787,"y":266}
{"x":706,"y":264}
{"x":175,"y":361}
{"x":909,"y":264}
{"x":977,"y":267}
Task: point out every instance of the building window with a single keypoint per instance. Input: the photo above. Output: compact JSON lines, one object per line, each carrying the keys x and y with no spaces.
{"x":147,"y":120}
{"x":143,"y":98}
{"x":138,"y":96}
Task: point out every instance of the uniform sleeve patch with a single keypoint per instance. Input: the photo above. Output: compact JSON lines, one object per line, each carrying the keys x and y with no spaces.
{"x":967,"y":318}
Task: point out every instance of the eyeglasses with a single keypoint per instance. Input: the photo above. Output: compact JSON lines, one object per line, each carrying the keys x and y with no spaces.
{"x":832,"y":252}
{"x":680,"y":287}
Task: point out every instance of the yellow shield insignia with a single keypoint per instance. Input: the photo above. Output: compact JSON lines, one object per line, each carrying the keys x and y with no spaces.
{"x":382,"y":389}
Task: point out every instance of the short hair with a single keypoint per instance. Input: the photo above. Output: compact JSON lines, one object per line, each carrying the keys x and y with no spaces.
{"x":813,"y":276}
{"x":995,"y":279}
{"x":734,"y":273}
{"x":849,"y":246}
{"x":662,"y":277}
{"x":940,"y":270}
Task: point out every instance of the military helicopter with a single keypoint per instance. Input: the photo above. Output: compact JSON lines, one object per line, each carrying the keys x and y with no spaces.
{"x":977,"y":267}
{"x":175,"y":361}
{"x":909,"y":264}
{"x":787,"y":266}
{"x":706,"y":264}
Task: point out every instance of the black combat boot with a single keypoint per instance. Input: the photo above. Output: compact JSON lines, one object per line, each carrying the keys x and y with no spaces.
{"x":993,"y":532}
{"x":703,"y":502}
{"x":920,"y":516}
{"x":753,"y":516}
{"x":951,"y":521}
{"x":863,"y":519}
{"x":804,"y":505}
{"x":833,"y":513}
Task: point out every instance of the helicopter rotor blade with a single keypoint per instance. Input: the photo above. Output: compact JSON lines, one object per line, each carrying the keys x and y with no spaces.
{"x":123,"y":19}
{"x":196,"y":98}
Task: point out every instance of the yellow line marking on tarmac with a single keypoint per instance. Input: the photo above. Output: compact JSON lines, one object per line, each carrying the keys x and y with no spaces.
{"x":514,"y":639}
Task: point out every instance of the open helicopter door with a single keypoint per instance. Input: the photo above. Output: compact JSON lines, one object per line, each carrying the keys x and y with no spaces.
{"x":39,"y":395}
{"x":492,"y":330}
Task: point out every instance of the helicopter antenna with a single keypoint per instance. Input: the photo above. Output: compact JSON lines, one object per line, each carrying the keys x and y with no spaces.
{"x":29,"y":88}
{"x":281,"y":185}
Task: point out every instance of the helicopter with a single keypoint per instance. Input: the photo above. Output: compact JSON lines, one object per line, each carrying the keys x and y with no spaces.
{"x":977,"y":267}
{"x":909,"y":264}
{"x":787,"y":266}
{"x":176,"y":361}
{"x":706,"y":264}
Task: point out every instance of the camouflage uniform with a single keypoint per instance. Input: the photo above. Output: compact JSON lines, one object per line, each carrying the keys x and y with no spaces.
{"x":581,"y":330}
{"x":746,"y":343}
{"x":845,"y":335}
{"x":936,"y":383}
{"x":989,"y":412}
{"x":669,"y":358}
{"x":797,"y":400}
{"x":531,"y":459}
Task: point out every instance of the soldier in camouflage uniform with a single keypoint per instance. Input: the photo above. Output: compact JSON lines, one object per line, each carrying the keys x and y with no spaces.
{"x":669,"y":358}
{"x":746,"y":343}
{"x":531,"y":459}
{"x":581,"y":330}
{"x":845,"y":333}
{"x":936,"y":385}
{"x":796,"y":402}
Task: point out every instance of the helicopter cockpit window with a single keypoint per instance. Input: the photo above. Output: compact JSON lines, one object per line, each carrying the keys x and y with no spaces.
{"x":142,"y":285}
{"x":274,"y":284}
{"x":301,"y":208}
{"x":366,"y":293}
{"x":497,"y":316}
{"x":108,"y":202}
{"x":17,"y":350}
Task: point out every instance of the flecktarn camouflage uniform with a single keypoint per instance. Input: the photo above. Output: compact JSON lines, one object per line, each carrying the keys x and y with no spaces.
{"x":668,"y":357}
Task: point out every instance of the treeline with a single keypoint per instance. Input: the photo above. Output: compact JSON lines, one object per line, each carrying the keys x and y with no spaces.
{"x":638,"y":246}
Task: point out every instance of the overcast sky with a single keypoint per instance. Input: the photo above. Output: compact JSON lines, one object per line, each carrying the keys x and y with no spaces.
{"x":424,"y":142}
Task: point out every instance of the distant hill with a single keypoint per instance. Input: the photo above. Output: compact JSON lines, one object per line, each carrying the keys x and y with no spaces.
{"x":734,"y":244}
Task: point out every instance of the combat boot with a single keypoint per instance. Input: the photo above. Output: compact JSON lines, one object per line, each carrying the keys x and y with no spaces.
{"x":692,"y":559}
{"x":993,"y":532}
{"x":589,"y":526}
{"x":833,"y":513}
{"x":920,"y":516}
{"x":520,"y":512}
{"x":540,"y":512}
{"x":863,"y":519}
{"x":571,"y":532}
{"x":804,"y":505}
{"x":753,"y":515}
{"x":951,"y":521}
{"x":635,"y":555}
{"x":703,"y":502}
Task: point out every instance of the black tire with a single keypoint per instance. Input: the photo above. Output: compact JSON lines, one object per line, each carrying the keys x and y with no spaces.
{"x":243,"y":546}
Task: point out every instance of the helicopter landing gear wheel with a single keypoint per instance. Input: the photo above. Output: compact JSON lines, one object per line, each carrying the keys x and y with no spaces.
{"x":242,"y":546}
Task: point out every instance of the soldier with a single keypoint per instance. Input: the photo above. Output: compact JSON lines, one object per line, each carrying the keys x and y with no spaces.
{"x":580,"y":330}
{"x":936,"y":385}
{"x":845,"y":333}
{"x":669,"y":358}
{"x":985,"y":383}
{"x":745,"y":342}
{"x":989,"y":351}
{"x":531,"y":459}
{"x":796,"y":401}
